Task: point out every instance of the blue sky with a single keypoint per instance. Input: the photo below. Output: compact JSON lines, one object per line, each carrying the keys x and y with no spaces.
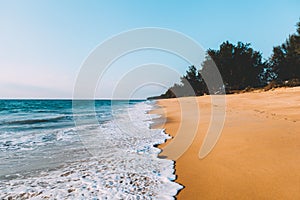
{"x":44,"y":43}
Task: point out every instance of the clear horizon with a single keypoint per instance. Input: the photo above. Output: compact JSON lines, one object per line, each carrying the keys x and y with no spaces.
{"x":44,"y":43}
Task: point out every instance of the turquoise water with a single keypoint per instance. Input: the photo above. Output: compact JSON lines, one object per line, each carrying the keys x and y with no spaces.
{"x":41,"y":133}
{"x":95,"y":149}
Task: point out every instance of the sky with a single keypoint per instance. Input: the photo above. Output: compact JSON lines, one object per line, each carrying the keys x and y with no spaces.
{"x":43,"y":44}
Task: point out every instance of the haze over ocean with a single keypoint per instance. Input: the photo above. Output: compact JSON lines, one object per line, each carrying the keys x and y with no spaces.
{"x":44,"y":43}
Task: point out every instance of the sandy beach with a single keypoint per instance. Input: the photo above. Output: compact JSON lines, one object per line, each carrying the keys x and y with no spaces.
{"x":257,"y":155}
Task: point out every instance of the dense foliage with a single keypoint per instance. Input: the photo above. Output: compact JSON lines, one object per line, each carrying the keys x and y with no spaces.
{"x":285,"y":60}
{"x":242,"y":67}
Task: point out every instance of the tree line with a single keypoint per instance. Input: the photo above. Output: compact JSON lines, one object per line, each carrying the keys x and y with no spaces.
{"x":243,"y":68}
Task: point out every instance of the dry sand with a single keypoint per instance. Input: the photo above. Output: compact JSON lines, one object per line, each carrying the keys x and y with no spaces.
{"x":257,"y":155}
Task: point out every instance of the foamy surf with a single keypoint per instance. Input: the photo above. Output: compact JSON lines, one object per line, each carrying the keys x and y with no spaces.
{"x":125,"y":167}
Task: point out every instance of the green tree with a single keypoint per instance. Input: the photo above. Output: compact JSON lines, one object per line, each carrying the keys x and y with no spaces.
{"x":240,"y":66}
{"x":193,"y":79}
{"x":191,"y":84}
{"x":285,"y":59}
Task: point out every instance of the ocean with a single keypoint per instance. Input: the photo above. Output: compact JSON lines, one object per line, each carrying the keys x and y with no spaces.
{"x":64,"y":149}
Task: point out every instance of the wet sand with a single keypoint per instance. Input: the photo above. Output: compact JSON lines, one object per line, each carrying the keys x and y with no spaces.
{"x":257,"y":155}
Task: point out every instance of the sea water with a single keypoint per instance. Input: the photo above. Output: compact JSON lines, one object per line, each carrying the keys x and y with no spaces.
{"x":50,"y":150}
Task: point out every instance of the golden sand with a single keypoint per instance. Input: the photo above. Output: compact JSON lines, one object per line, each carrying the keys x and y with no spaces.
{"x":257,"y":155}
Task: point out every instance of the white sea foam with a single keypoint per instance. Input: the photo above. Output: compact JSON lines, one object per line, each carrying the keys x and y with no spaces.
{"x":125,"y":167}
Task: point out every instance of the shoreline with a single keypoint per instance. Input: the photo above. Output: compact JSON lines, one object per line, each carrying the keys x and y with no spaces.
{"x":257,"y":155}
{"x":114,"y":158}
{"x":157,"y":123}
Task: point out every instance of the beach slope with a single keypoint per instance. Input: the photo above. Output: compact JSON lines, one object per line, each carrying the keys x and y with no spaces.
{"x":257,"y":155}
